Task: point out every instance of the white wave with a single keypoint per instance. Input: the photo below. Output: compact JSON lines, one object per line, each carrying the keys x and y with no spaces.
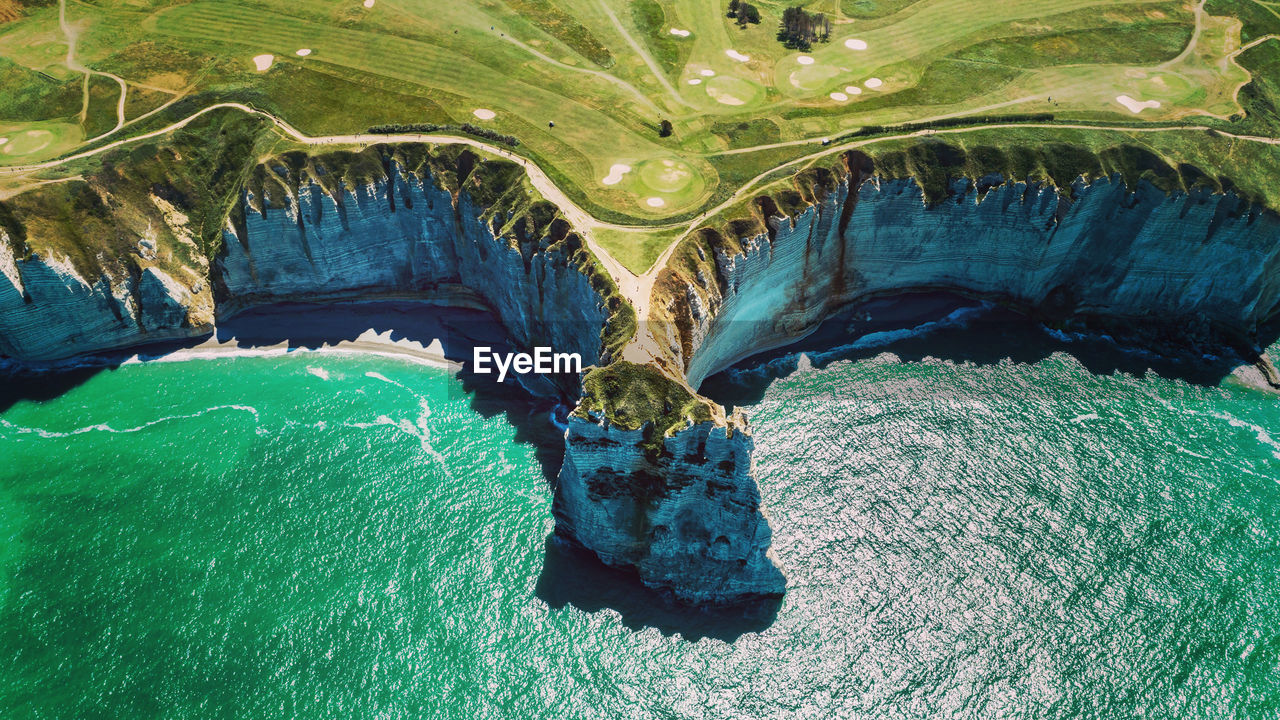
{"x":1086,"y":416}
{"x":318,"y":372}
{"x":104,"y":427}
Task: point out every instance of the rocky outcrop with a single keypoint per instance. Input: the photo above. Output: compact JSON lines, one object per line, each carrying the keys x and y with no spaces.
{"x":674,"y":499}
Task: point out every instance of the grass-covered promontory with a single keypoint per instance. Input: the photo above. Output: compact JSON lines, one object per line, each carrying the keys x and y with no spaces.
{"x":634,"y":397}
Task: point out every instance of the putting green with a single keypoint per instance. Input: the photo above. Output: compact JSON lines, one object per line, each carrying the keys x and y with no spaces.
{"x":729,"y":90}
{"x":666,"y":176}
{"x":1168,"y":87}
{"x":27,"y":142}
{"x":810,"y":78}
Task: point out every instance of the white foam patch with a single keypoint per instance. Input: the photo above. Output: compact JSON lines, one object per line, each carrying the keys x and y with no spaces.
{"x":680,"y":33}
{"x":484,"y":114}
{"x":263,"y":62}
{"x":318,"y":372}
{"x":1136,"y":106}
{"x":874,"y":83}
{"x":707,"y":73}
{"x":104,"y":427}
{"x":304,"y":52}
{"x":839,"y":96}
{"x":735,"y":55}
{"x":368,"y":3}
{"x":616,"y":172}
{"x":655,"y":202}
{"x":853,"y":90}
{"x":805,"y":60}
{"x":696,"y":81}
{"x":1083,"y":418}
{"x":853,"y":44}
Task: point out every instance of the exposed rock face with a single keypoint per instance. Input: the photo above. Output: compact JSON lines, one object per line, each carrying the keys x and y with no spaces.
{"x":405,"y":236}
{"x":1199,"y":264}
{"x":1189,"y":264}
{"x":688,"y":520}
{"x":48,"y":311}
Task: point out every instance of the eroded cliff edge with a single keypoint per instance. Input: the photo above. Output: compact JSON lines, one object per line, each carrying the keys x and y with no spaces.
{"x":440,"y":224}
{"x":655,"y":477}
{"x":1151,"y":252}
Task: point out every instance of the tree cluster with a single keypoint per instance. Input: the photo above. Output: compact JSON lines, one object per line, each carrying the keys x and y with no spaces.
{"x":467,"y":128}
{"x":744,"y":13}
{"x":799,"y":30}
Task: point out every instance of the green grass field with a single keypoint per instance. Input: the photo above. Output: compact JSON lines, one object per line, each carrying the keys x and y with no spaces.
{"x":606,"y":72}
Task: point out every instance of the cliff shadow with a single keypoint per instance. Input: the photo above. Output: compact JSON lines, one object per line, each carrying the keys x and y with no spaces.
{"x":304,"y":326}
{"x":18,"y":385}
{"x":949,"y":327}
{"x":572,"y":575}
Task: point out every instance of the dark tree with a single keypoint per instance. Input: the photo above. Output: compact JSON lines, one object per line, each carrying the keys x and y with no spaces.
{"x":753,"y":15}
{"x":665,"y":129}
{"x":799,"y":29}
{"x":733,"y":8}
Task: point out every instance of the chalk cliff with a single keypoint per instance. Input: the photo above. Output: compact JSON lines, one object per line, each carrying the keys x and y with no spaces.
{"x":1198,"y":266}
{"x":655,"y":477}
{"x":1190,"y":266}
{"x":386,"y":221}
{"x":403,"y":232}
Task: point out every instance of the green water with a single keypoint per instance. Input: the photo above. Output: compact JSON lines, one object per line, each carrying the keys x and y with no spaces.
{"x":339,"y":537}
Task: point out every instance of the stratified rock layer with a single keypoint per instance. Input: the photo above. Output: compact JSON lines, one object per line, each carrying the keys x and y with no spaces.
{"x":1197,"y":265}
{"x":687,"y":517}
{"x":409,"y":239}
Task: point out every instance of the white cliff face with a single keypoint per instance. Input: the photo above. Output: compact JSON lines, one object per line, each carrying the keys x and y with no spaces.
{"x":407,"y":239}
{"x":49,"y":312}
{"x":687,"y":520}
{"x":1192,"y":263}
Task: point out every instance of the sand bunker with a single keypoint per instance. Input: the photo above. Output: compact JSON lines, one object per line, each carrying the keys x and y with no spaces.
{"x":853,"y":90}
{"x":735,"y":55}
{"x":484,"y":114}
{"x":839,"y":96}
{"x":680,"y":33}
{"x":655,"y":202}
{"x":368,"y":3}
{"x":616,"y":172}
{"x":707,"y":73}
{"x":1136,"y":106}
{"x":805,"y":60}
{"x":263,"y":62}
{"x":874,"y":83}
{"x":3,"y":140}
{"x":855,"y":44}
{"x":304,"y":52}
{"x":696,"y":81}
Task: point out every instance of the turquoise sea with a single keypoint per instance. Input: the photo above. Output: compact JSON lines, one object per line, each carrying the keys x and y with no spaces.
{"x":325,"y":536}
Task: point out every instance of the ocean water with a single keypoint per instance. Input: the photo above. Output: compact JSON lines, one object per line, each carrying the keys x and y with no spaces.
{"x":321,"y":536}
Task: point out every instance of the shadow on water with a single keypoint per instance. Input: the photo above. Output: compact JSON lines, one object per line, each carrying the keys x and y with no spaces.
{"x":574,"y":576}
{"x":957,"y":329}
{"x":458,"y":330}
{"x":303,"y":326}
